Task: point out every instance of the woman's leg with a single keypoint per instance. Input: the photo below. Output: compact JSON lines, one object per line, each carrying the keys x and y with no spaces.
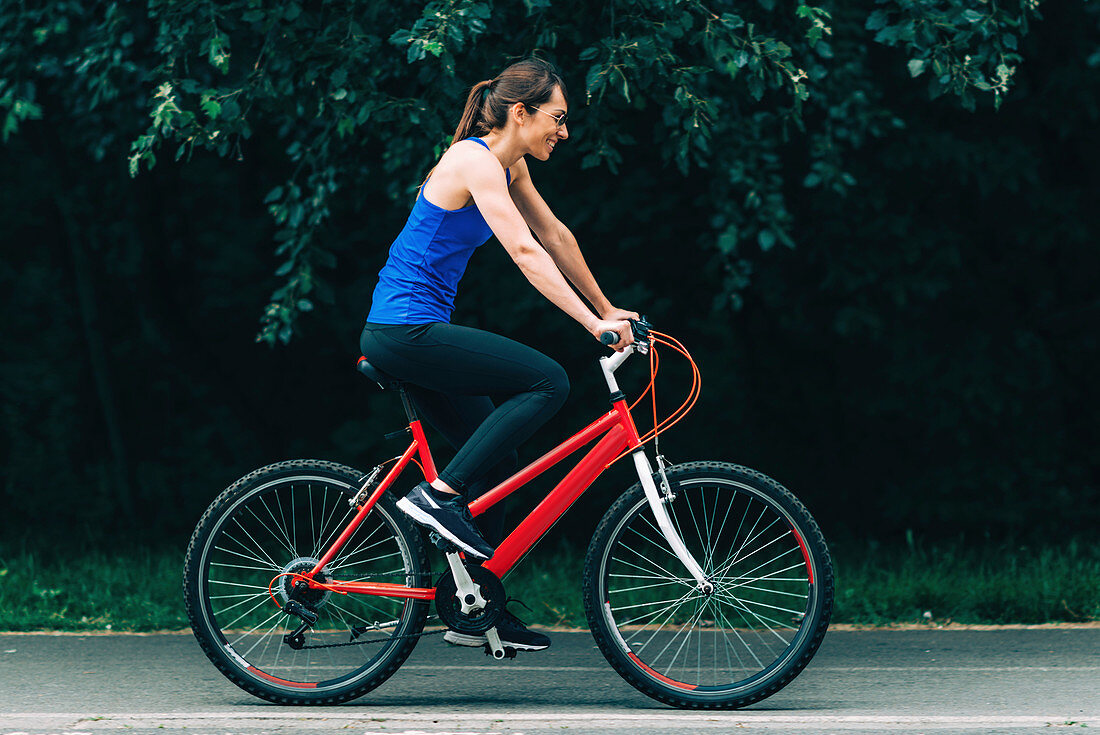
{"x":463,"y":361}
{"x":457,"y":417}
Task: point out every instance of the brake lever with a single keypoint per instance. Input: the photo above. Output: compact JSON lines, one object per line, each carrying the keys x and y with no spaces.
{"x":640,"y":328}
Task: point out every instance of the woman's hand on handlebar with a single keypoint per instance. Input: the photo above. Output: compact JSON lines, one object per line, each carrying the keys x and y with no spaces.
{"x":619,"y":326}
{"x":615,"y":315}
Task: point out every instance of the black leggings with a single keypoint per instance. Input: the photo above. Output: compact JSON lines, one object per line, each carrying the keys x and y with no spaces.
{"x":449,"y":371}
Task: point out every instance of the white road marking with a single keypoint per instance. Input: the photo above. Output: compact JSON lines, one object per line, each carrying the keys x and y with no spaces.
{"x":481,"y":720}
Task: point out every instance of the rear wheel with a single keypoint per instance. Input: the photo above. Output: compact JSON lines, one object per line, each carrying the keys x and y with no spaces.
{"x":767,"y":614}
{"x":279,"y":520}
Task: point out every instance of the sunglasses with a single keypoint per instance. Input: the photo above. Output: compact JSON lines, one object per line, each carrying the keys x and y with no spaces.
{"x":559,"y":119}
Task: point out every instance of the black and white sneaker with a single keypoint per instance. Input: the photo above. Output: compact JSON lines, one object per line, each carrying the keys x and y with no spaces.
{"x":448,"y":516}
{"x":512,"y":632}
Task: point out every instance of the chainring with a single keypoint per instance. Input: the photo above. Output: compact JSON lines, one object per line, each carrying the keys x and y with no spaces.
{"x":449,"y":607}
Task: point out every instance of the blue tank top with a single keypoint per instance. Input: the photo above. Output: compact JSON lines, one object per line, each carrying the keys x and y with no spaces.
{"x":420,"y":279}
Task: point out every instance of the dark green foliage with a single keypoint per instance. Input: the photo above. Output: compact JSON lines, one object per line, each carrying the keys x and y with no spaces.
{"x":889,"y":287}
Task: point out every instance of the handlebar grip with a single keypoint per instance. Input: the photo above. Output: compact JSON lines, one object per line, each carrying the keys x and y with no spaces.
{"x":609,"y":338}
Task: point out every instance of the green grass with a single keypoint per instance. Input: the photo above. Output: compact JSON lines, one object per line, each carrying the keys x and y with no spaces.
{"x":875,"y":584}
{"x":993,"y":583}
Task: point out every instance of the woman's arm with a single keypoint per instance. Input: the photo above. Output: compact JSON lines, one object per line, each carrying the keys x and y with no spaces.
{"x":484,"y":177}
{"x":560,"y":243}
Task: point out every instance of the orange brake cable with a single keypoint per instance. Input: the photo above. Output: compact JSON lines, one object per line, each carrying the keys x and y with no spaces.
{"x":685,"y":407}
{"x":693,"y":394}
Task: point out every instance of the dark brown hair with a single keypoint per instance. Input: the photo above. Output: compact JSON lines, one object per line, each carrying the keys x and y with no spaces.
{"x":530,"y":81}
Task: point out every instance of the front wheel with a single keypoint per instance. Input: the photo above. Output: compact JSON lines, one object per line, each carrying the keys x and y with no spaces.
{"x":238,"y":576}
{"x":757,"y":629}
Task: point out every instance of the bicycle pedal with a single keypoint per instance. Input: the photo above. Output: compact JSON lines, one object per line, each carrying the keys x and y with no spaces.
{"x":441,"y":543}
{"x":509,"y":652}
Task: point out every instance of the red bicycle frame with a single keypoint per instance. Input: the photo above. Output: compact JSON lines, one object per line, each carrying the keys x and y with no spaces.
{"x":619,"y":434}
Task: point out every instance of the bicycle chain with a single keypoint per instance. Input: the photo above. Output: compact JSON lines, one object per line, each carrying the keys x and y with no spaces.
{"x":383,"y":640}
{"x":366,"y":643}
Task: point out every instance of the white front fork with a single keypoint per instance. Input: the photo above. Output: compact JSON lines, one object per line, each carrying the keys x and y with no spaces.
{"x":657,"y":505}
{"x":656,"y":499}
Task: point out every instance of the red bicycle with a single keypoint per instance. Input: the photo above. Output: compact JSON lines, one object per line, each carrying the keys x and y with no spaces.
{"x":706,"y":584}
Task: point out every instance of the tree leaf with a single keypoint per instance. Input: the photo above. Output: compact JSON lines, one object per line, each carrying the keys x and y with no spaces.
{"x":876,"y":20}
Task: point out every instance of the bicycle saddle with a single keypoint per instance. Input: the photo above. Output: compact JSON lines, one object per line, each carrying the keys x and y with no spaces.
{"x":384,"y":381}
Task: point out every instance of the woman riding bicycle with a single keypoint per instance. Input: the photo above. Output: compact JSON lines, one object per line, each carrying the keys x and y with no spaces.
{"x":481,"y":187}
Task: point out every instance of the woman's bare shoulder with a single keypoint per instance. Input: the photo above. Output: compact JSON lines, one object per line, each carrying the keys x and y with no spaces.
{"x":466,"y":152}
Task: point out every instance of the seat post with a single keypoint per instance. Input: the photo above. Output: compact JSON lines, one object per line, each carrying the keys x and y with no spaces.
{"x":410,"y":410}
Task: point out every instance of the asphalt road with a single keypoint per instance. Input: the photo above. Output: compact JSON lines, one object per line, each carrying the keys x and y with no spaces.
{"x":941,"y":681}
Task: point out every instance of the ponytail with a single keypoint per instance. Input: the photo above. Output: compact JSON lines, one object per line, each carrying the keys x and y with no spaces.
{"x":473,"y":115}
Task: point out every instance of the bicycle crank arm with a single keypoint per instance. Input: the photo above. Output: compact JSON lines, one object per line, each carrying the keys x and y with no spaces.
{"x":468,"y":591}
{"x":495,"y":645}
{"x":657,"y":505}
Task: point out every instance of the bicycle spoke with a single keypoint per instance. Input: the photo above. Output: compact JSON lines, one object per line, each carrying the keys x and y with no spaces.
{"x":249,"y":632}
{"x":265,"y":527}
{"x":265,"y":638}
{"x":337,"y":527}
{"x":694,"y":522}
{"x":250,"y":558}
{"x":725,"y":595}
{"x":725,"y":517}
{"x":282,"y":517}
{"x":665,"y":622}
{"x":649,"y":576}
{"x":687,"y":637}
{"x":655,"y":566}
{"x":742,"y":609}
{"x":764,"y":564}
{"x":744,"y":644}
{"x":357,"y":617}
{"x":729,"y":563}
{"x":279,"y":523}
{"x":246,"y":613}
{"x":238,"y":566}
{"x":266,"y":559}
{"x":770,"y":591}
{"x":640,"y":587}
{"x":239,"y":584}
{"x":661,"y":611}
{"x":644,"y":604}
{"x":659,"y":546}
{"x":249,"y":598}
{"x":309,"y":502}
{"x":348,"y":562}
{"x":769,"y":577}
{"x":293,"y":520}
{"x":737,"y":557}
{"x":343,"y":556}
{"x":234,"y":597}
{"x":690,"y":622}
{"x":748,"y":535}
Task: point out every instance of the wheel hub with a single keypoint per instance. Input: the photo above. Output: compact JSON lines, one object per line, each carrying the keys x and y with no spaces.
{"x":303,"y":565}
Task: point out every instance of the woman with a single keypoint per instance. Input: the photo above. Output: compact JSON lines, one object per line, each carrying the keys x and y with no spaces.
{"x":481,"y":187}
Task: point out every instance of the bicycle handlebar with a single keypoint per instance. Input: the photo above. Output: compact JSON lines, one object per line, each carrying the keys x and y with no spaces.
{"x":640,"y":327}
